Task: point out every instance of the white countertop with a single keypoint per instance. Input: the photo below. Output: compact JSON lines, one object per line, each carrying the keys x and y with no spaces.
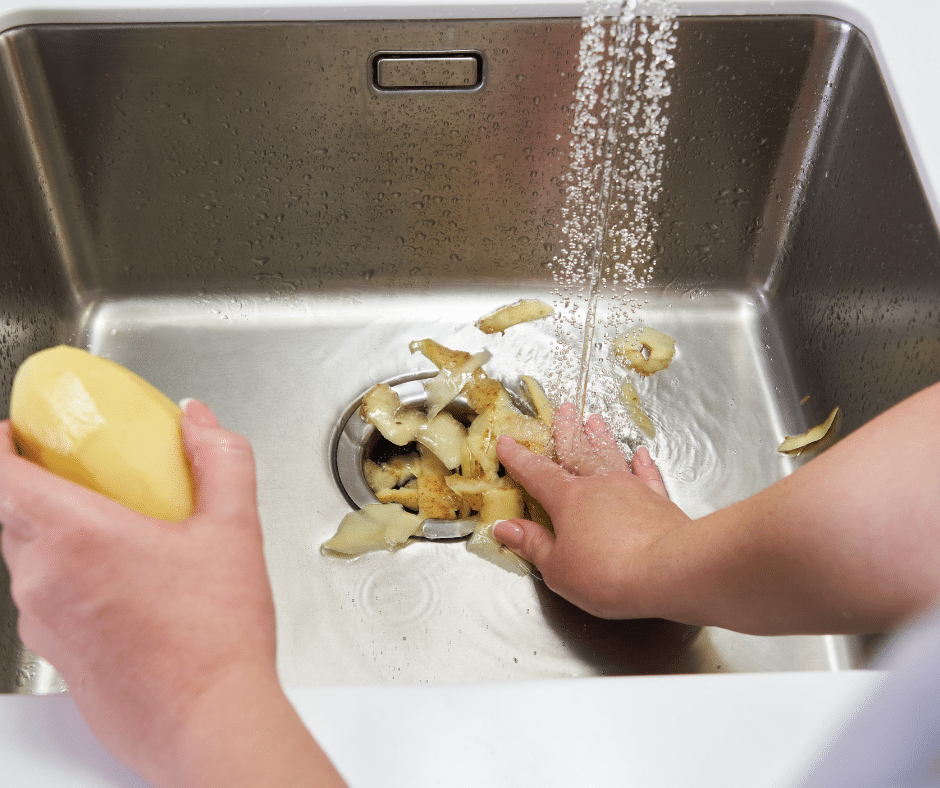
{"x":717,"y":731}
{"x":656,"y":732}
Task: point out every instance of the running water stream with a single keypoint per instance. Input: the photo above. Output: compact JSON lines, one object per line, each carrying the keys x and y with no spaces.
{"x":614,"y":179}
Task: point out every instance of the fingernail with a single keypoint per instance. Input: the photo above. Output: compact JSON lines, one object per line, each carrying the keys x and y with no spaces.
{"x":508,"y":532}
{"x":201,"y":414}
{"x":644,"y":454}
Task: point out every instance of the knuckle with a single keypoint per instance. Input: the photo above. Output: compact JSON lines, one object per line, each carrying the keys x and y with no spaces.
{"x":223,"y":447}
{"x":229,"y":442}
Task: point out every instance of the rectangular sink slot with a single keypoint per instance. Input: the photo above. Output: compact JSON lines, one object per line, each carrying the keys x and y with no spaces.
{"x":413,"y":71}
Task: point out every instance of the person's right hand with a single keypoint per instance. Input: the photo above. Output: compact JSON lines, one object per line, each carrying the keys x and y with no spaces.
{"x":849,"y":542}
{"x":610,"y":517}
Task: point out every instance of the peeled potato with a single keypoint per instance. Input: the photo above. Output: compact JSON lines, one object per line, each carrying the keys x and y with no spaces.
{"x":96,"y":423}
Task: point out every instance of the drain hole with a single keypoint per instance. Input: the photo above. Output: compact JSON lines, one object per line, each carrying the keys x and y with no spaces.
{"x":357,"y":441}
{"x":379,"y":449}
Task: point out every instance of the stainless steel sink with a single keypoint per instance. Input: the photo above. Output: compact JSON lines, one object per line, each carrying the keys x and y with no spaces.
{"x":240,"y":214}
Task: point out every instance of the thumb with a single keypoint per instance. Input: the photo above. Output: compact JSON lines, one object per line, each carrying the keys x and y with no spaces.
{"x":646,"y":471}
{"x":528,"y":540}
{"x":222,"y":462}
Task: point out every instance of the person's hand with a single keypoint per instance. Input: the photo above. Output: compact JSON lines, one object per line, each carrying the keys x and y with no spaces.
{"x":848,"y":542}
{"x":157,"y":628}
{"x":610,"y":516}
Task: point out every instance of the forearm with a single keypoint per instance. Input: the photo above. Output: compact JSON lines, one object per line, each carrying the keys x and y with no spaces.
{"x":244,"y":732}
{"x":850,"y":542}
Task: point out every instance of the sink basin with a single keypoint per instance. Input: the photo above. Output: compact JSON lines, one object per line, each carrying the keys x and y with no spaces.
{"x":241,"y":213}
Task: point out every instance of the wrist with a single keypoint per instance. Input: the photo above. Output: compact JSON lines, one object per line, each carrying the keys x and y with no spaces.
{"x":243,"y":731}
{"x":709,"y":565}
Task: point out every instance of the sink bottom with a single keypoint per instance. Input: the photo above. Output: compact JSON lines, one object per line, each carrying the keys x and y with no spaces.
{"x":284,"y":372}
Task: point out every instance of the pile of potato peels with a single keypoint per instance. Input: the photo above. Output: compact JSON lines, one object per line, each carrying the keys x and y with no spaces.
{"x":448,"y":469}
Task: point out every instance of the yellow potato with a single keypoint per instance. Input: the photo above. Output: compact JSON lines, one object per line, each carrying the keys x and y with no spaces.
{"x":96,"y":423}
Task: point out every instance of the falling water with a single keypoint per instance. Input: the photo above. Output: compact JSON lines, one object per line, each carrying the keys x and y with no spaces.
{"x":615,"y":177}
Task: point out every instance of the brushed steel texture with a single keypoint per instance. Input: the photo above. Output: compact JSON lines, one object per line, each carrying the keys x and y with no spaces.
{"x":235,"y":213}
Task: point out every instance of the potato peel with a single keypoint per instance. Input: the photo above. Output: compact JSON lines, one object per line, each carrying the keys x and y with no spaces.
{"x":383,"y":409}
{"x":407,"y":496}
{"x":447,"y":385}
{"x":524,"y":311}
{"x":436,"y":501}
{"x":645,"y":350}
{"x":377,"y":526}
{"x":499,"y":504}
{"x":819,"y":437}
{"x":540,"y":401}
{"x":442,"y":357}
{"x":630,"y":398}
{"x":455,"y":472}
{"x":445,"y":436}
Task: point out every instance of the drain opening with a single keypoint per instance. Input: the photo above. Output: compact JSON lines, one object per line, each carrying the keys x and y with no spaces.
{"x":357,"y":441}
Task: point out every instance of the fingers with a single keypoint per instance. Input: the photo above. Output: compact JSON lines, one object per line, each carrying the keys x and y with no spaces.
{"x":528,"y":540}
{"x":541,"y":477}
{"x":222,"y":462}
{"x":198,"y":412}
{"x":646,"y":471}
{"x":588,"y":451}
{"x":566,"y":432}
{"x":32,"y":498}
{"x":48,"y":525}
{"x":600,"y":453}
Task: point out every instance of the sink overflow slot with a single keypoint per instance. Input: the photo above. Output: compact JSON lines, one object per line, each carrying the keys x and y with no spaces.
{"x":424,"y":71}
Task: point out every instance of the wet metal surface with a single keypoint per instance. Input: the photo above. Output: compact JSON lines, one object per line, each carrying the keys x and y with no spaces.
{"x":235,"y":213}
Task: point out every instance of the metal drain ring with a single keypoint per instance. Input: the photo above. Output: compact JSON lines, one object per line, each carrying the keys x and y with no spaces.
{"x":356,"y":438}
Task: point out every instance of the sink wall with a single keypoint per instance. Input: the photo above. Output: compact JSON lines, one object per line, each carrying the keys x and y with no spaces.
{"x":233,"y":211}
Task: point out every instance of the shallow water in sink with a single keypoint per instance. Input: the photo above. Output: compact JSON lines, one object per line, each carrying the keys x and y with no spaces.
{"x":255,"y":225}
{"x":435,"y":612}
